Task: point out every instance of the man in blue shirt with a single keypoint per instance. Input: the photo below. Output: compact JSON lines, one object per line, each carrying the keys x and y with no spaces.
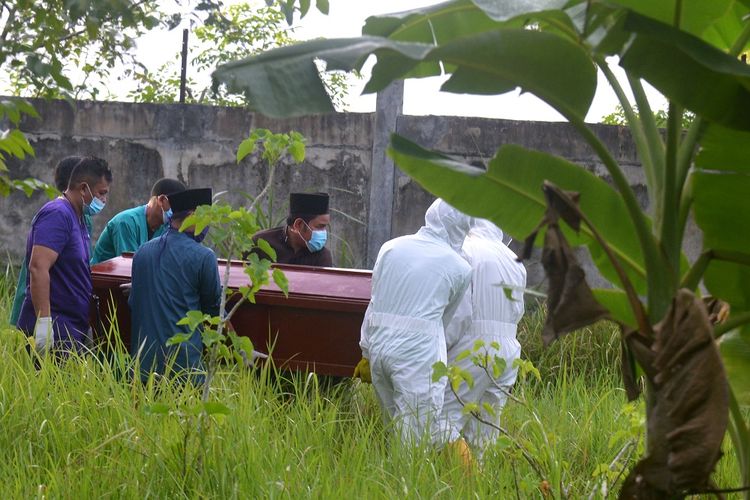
{"x":171,"y":275}
{"x":131,"y":228}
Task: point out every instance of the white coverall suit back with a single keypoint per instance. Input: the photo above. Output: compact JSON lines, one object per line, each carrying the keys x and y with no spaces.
{"x":417,"y":282}
{"x":486,"y":314}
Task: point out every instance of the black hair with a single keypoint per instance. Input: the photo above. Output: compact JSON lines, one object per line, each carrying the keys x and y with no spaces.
{"x":63,"y":169}
{"x":166,"y":185}
{"x":90,"y":170}
{"x":306,"y":217}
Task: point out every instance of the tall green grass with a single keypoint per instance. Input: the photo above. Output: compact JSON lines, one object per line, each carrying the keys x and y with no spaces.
{"x":79,"y":429}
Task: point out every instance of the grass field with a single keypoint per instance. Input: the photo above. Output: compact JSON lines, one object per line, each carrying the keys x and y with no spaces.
{"x":78,"y":430}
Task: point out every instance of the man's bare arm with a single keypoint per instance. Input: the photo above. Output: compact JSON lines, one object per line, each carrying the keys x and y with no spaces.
{"x":42,"y":260}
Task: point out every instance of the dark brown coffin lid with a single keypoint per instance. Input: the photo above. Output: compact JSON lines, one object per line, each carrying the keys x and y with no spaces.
{"x":309,"y":287}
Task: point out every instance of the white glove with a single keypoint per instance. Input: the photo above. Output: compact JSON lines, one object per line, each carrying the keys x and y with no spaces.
{"x":43,"y":336}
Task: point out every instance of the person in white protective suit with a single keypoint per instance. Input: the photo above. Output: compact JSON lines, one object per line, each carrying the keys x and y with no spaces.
{"x":487,"y":314}
{"x":417,"y":282}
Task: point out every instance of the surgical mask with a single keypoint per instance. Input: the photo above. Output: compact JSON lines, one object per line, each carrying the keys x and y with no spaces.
{"x":166,"y":216}
{"x":200,"y":236}
{"x":317,"y":240}
{"x":94,"y":207}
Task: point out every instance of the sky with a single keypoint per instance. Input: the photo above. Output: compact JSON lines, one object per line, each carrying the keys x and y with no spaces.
{"x":421,"y":97}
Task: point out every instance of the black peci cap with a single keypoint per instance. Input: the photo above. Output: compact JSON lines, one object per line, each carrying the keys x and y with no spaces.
{"x":308,"y":203}
{"x":190,"y":199}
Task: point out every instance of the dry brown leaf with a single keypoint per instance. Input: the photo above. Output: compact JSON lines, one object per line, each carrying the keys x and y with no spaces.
{"x":687,"y":422}
{"x":570,"y":302}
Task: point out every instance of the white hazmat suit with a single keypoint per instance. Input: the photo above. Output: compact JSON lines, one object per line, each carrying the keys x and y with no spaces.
{"x":486,"y":314}
{"x":417,"y":282}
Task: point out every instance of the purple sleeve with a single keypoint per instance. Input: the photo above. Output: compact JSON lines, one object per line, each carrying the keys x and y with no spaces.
{"x":51,"y":229}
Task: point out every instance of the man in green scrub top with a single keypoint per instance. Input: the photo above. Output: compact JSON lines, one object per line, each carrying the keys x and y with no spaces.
{"x":131,"y":228}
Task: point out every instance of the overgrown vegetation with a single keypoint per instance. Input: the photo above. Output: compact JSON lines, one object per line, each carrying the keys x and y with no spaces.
{"x":82,"y":429}
{"x":689,"y":50}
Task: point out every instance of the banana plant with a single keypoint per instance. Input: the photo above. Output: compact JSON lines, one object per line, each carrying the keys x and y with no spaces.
{"x":695,"y":360}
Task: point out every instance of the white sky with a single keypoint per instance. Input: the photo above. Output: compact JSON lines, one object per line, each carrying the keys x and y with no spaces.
{"x":422,"y":97}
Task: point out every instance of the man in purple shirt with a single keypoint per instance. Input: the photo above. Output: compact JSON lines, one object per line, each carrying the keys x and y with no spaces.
{"x":56,"y":308}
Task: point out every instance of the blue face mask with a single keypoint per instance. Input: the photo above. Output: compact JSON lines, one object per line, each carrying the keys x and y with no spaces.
{"x":317,"y":240}
{"x":166,"y":217}
{"x":94,"y":207}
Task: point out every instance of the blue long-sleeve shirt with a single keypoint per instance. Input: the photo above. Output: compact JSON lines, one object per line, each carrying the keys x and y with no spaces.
{"x":171,"y":275}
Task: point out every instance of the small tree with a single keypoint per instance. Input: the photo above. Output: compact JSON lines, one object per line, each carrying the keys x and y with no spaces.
{"x":231,"y":237}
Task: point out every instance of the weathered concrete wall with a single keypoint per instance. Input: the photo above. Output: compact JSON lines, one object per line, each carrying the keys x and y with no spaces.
{"x":197,"y":144}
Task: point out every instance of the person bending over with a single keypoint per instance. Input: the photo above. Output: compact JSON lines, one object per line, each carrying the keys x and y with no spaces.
{"x":130,"y":229}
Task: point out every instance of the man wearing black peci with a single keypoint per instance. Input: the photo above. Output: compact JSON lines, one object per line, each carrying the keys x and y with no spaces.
{"x":303,"y":238}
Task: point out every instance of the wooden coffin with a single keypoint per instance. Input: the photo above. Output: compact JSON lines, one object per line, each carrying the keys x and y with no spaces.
{"x":316,"y":328}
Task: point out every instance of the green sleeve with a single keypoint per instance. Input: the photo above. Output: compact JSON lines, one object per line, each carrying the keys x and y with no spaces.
{"x":20,"y":295}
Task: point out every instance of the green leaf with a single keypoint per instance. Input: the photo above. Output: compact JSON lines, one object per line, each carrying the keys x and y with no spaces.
{"x":178,"y":338}
{"x":322,"y":6}
{"x":550,"y":66}
{"x":696,"y":15}
{"x":286,"y":82}
{"x":297,"y":150}
{"x":724,"y":149}
{"x":216,"y":408}
{"x":509,"y":194}
{"x":193,"y":319}
{"x":735,"y":351}
{"x":246,"y":147}
{"x":439,"y":370}
{"x":463,"y":355}
{"x":267,"y":248}
{"x":616,"y":301}
{"x":242,"y":344}
{"x":724,"y":31}
{"x":730,"y":282}
{"x":224,"y":352}
{"x":498,"y":366}
{"x":281,"y":281}
{"x":304,"y":6}
{"x":435,"y":23}
{"x":210,"y":337}
{"x":489,"y":409}
{"x":470,"y":408}
{"x":683,"y":68}
{"x":467,"y":377}
{"x":722,"y":209}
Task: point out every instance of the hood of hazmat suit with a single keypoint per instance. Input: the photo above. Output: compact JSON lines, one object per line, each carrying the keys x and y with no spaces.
{"x":445,"y":223}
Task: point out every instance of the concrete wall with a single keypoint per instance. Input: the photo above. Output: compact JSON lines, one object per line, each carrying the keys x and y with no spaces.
{"x":197,"y":144}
